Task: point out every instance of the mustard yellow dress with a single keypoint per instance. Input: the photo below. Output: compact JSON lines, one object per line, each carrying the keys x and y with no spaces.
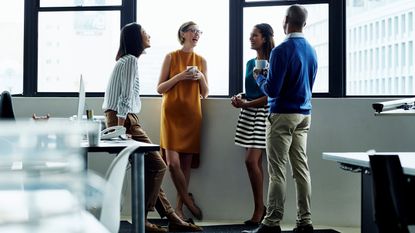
{"x":181,"y":112}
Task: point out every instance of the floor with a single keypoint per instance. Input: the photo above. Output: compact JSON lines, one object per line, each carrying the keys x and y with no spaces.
{"x":284,"y":227}
{"x":290,"y":227}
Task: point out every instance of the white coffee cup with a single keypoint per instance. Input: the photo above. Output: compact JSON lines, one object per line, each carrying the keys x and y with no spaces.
{"x":192,"y":69}
{"x":94,"y":135}
{"x":261,"y":64}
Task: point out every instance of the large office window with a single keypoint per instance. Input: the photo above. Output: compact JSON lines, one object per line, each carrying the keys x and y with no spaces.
{"x":72,"y":44}
{"x":399,"y":17}
{"x":11,"y":46}
{"x":212,"y":17}
{"x":316,"y":31}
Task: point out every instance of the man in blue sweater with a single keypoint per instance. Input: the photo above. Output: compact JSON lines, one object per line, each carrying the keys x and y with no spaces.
{"x":288,"y":85}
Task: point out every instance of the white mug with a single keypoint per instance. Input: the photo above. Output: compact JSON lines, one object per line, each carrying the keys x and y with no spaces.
{"x":192,"y":69}
{"x":261,"y":64}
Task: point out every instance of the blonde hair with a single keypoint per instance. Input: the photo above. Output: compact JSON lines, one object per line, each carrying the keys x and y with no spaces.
{"x":183,"y":28}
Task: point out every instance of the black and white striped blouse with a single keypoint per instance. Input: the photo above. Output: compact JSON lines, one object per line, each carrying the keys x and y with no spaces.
{"x":123,"y":89}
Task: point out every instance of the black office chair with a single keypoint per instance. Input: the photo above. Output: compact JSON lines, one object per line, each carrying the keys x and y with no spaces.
{"x":6,"y":106}
{"x":392,"y":193}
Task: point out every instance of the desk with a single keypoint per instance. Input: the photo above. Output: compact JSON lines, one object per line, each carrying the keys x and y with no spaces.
{"x":44,"y":211}
{"x":137,"y":173}
{"x":359,"y":161}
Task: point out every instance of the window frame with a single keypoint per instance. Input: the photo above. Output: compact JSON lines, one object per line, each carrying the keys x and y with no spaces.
{"x":30,"y":54}
{"x":337,"y":45}
{"x":337,"y":41}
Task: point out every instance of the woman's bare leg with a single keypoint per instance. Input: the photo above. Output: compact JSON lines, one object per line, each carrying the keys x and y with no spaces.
{"x":179,"y":181}
{"x":253,"y":162}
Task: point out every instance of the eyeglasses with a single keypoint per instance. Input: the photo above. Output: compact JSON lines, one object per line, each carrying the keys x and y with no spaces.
{"x":195,"y":31}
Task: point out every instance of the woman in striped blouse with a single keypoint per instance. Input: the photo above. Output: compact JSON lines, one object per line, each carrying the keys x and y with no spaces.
{"x":121,"y":105}
{"x":250,"y":130}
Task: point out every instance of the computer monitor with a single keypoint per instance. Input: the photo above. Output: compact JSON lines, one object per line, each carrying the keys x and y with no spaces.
{"x":81,"y":99}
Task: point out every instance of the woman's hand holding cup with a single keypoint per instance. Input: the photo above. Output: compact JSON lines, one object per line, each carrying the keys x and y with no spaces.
{"x":195,"y":72}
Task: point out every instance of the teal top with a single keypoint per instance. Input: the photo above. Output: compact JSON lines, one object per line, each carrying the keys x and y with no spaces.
{"x":252,"y":91}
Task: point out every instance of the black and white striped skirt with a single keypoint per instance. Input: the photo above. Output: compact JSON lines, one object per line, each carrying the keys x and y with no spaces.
{"x":250,"y":130}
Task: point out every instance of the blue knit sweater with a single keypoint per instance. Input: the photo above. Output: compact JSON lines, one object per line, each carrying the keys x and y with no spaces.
{"x":289,"y":84}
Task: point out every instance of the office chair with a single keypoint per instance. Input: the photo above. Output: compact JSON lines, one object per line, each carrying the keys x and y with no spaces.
{"x":6,"y":106}
{"x":111,"y":205}
{"x":392,"y":195}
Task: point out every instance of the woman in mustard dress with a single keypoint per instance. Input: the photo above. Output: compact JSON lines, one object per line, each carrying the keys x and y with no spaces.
{"x":183,"y":82}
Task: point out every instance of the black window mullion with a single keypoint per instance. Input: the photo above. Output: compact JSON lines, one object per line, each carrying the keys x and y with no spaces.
{"x":30,"y":47}
{"x":128,"y":12}
{"x":337,"y":49}
{"x":77,"y":8}
{"x":235,"y":46}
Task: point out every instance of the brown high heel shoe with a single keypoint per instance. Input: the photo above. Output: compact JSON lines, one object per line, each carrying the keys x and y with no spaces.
{"x":176,"y":227}
{"x":198,"y":215}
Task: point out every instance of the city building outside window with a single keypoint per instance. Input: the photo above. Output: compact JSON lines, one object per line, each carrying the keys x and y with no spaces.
{"x":394,"y":48}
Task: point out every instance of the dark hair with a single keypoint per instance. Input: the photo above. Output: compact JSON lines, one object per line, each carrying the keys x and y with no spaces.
{"x":297,"y":15}
{"x":183,"y":28}
{"x":131,"y":41}
{"x":268,"y":33}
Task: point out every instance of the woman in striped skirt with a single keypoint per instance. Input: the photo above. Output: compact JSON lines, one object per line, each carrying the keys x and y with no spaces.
{"x":250,"y":130}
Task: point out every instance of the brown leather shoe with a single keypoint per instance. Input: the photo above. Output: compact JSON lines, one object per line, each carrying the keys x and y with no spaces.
{"x":153,"y":228}
{"x":175,"y":227}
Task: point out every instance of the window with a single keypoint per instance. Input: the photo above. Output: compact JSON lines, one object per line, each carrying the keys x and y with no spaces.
{"x":72,"y":44}
{"x":394,"y":51}
{"x":212,"y":17}
{"x":11,"y":46}
{"x":411,"y":54}
{"x":67,"y":39}
{"x":316,"y":31}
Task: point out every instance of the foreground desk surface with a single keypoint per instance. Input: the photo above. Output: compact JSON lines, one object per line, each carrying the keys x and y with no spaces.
{"x":137,"y":173}
{"x":45,"y":211}
{"x":117,"y":145}
{"x":361,"y":161}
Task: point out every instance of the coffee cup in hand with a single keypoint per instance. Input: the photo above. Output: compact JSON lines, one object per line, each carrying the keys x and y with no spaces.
{"x":192,"y":69}
{"x":261,"y":64}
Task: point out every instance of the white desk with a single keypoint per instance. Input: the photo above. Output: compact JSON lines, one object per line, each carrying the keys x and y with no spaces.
{"x":395,"y":112}
{"x":137,"y":173}
{"x":45,"y":211}
{"x":360,"y":160}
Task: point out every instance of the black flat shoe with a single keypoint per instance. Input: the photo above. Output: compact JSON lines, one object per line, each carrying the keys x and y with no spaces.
{"x":264,"y":229}
{"x":251,"y":223}
{"x":304,"y":229}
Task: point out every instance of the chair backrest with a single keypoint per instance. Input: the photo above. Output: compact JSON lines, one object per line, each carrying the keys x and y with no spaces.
{"x":6,"y":106}
{"x":110,"y":211}
{"x":390,"y":194}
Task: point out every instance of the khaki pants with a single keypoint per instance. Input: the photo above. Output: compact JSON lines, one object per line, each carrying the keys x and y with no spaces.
{"x":286,"y":139}
{"x":153,"y":163}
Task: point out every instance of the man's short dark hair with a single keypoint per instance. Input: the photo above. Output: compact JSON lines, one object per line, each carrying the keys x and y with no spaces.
{"x":297,"y":15}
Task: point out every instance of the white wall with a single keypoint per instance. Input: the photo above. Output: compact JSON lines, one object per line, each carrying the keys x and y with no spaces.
{"x":221,"y":186}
